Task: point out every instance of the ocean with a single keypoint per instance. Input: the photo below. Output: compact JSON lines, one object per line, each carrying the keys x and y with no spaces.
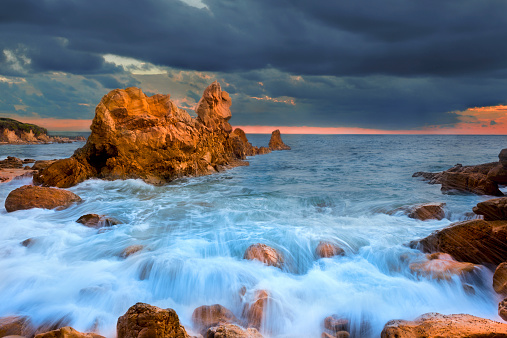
{"x":337,"y":188}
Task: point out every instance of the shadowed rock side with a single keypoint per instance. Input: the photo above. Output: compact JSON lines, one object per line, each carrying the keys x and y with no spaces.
{"x":276,"y":143}
{"x":482,"y":179}
{"x":437,"y":325}
{"x":136,"y":136}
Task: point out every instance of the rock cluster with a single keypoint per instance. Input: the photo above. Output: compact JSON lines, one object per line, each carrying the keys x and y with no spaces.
{"x":482,"y":179}
{"x":136,"y":136}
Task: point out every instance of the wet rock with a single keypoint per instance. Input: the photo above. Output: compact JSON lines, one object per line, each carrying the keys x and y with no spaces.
{"x":326,"y":249}
{"x":16,"y":325}
{"x":28,"y":242}
{"x":502,"y":157}
{"x":502,"y":309}
{"x":39,"y":165}
{"x":494,"y":209}
{"x":498,"y":174}
{"x":150,"y":138}
{"x":438,"y":325}
{"x":29,"y":196}
{"x":97,"y":221}
{"x":207,"y":316}
{"x":11,"y":163}
{"x":231,"y":331}
{"x":475,"y":241}
{"x":441,"y":266}
{"x":254,"y":312}
{"x":130,"y":250}
{"x":264,"y":254}
{"x":263,"y":150}
{"x":339,"y":334}
{"x":145,"y":321}
{"x":471,"y":182}
{"x":427,"y":211}
{"x":500,"y":279}
{"x":67,"y":332}
{"x":335,"y":323}
{"x":276,"y":143}
{"x":241,"y":147}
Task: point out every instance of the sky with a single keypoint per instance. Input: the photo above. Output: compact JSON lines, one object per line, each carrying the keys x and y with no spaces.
{"x":347,"y":66}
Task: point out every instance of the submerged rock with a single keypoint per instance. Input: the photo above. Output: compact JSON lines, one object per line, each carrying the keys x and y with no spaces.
{"x":441,"y":266}
{"x":144,"y":321}
{"x":130,"y":250}
{"x":29,"y":196}
{"x":336,"y":326}
{"x":97,"y":221}
{"x":276,"y":143}
{"x":67,"y":332}
{"x":494,"y":209}
{"x":231,"y":331}
{"x":264,"y":254}
{"x":326,"y":250}
{"x":438,"y":325}
{"x":207,"y":316}
{"x":475,"y":241}
{"x":136,"y":136}
{"x":254,"y":312}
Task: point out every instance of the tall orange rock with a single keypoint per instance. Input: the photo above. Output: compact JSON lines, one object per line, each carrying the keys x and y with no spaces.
{"x":150,"y":138}
{"x":276,"y":143}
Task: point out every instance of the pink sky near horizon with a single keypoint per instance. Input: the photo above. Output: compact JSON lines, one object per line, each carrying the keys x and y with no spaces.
{"x":491,"y":120}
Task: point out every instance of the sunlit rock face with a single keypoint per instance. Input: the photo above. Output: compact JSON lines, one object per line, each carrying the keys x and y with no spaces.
{"x":136,"y":136}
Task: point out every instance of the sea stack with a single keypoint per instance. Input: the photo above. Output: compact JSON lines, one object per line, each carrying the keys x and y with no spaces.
{"x":276,"y":143}
{"x":150,"y":138}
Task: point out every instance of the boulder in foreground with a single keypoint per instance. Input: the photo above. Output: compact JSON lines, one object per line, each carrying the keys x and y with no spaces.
{"x":67,"y":332}
{"x":276,"y":143}
{"x":265,"y":254}
{"x":438,"y":325}
{"x":29,"y":196}
{"x":146,"y":321}
{"x":16,"y":326}
{"x":493,"y":210}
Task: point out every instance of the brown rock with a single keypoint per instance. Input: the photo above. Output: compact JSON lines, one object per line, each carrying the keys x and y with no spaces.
{"x":207,"y":316}
{"x":67,"y":332}
{"x":498,"y":174}
{"x":276,"y":143}
{"x":97,"y":221}
{"x":500,"y":279}
{"x":130,"y":250}
{"x":264,"y":254}
{"x":39,"y":165}
{"x":29,"y":196}
{"x":441,"y":266}
{"x":339,"y":334}
{"x":471,"y":182}
{"x":475,"y":241}
{"x":326,"y":249}
{"x":502,"y":157}
{"x":437,"y":325}
{"x":242,"y":148}
{"x":147,"y":321}
{"x":428,"y":211}
{"x":263,"y":150}
{"x":494,"y":209}
{"x":231,"y":331}
{"x":254,"y":312}
{"x":335,"y":323}
{"x":136,"y":136}
{"x":502,"y":309}
{"x":16,"y":325}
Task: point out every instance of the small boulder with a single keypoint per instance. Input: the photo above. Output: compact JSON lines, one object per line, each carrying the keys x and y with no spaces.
{"x":339,"y":334}
{"x":264,"y":254}
{"x":254,"y":312}
{"x":29,"y":196}
{"x":326,"y":250}
{"x":427,"y":211}
{"x":207,"y":316}
{"x":145,"y":321}
{"x":130,"y":250}
{"x":502,"y":309}
{"x":67,"y":332}
{"x":16,"y":326}
{"x":276,"y":143}
{"x":500,"y":279}
{"x":438,"y":325}
{"x":231,"y":331}
{"x":97,"y":221}
{"x":441,"y":266}
{"x":493,"y":210}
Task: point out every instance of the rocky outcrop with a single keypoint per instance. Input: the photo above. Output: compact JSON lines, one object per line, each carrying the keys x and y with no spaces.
{"x":493,"y":210}
{"x":276,"y":143}
{"x":67,"y":332}
{"x":231,"y":331}
{"x":438,"y":325}
{"x":29,"y":196}
{"x":242,"y":148}
{"x":97,"y":221}
{"x":144,"y":321}
{"x":150,"y":138}
{"x":427,"y":211}
{"x":500,"y":279}
{"x":475,"y":241}
{"x":441,"y":266}
{"x":482,"y":179}
{"x":15,"y":132}
{"x":264,"y":254}
{"x":207,"y":316}
{"x":16,"y":326}
{"x":326,"y":249}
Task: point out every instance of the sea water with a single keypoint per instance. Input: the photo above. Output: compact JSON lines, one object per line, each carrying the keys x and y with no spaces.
{"x":195,"y":231}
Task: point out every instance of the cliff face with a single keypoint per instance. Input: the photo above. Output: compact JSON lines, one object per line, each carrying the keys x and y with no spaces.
{"x":12,"y":131}
{"x":136,"y":136}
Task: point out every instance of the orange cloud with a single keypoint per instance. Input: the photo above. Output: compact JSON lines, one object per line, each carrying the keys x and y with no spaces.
{"x":287,"y":100}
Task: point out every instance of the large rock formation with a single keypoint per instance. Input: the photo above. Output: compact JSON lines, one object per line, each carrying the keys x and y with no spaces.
{"x":146,"y":321}
{"x":136,"y":136}
{"x":493,"y":210}
{"x":482,"y":179}
{"x":475,"y":241}
{"x":29,"y":196}
{"x":276,"y":143}
{"x":438,"y":325}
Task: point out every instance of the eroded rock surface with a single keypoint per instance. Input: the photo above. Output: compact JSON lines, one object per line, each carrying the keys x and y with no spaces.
{"x":438,"y":325}
{"x":493,"y":210}
{"x":29,"y":196}
{"x":97,"y":221}
{"x":427,"y":211}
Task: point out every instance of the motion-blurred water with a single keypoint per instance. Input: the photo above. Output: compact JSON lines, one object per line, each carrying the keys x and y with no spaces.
{"x":195,"y":232}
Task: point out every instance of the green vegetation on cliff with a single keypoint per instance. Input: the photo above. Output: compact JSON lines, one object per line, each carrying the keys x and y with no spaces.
{"x":18,"y":127}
